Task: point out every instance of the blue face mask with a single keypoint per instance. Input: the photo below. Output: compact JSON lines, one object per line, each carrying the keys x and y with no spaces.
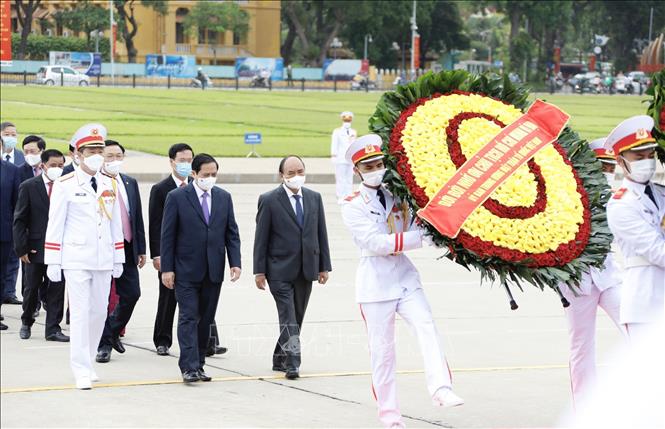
{"x":183,"y":169}
{"x":10,"y":142}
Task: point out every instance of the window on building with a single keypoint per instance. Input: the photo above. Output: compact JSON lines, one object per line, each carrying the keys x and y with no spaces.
{"x":202,"y":36}
{"x":212,"y":37}
{"x":180,"y":14}
{"x":237,"y":40}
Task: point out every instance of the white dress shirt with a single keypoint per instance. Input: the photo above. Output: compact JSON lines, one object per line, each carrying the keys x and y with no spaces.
{"x":11,"y":156}
{"x":177,"y":181}
{"x":46,"y":180}
{"x":292,"y":200}
{"x":199,"y":194}
{"x":123,"y":192}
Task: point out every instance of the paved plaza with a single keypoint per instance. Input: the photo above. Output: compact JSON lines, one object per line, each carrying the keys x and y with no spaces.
{"x":509,"y":366}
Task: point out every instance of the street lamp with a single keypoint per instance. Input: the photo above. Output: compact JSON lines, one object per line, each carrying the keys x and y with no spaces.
{"x":96,"y":34}
{"x":335,"y":44}
{"x":398,"y":49}
{"x":368,"y":39}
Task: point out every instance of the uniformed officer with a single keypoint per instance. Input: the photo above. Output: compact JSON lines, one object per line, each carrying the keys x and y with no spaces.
{"x":636,"y":215}
{"x":84,"y":239}
{"x":598,"y":288}
{"x":387,"y":283}
{"x":342,"y":137}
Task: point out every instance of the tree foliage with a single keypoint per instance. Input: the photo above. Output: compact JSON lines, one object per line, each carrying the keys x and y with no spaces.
{"x":85,"y":17}
{"x":38,"y":47}
{"x":25,"y":10}
{"x":127,"y":24}
{"x":217,"y":17}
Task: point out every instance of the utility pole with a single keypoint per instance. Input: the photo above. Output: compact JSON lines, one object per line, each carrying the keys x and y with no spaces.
{"x":414,"y":28}
{"x":650,"y":24}
{"x":112,"y":40}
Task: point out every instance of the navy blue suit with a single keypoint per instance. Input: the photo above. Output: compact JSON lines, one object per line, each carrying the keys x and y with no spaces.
{"x":195,"y":252}
{"x":68,"y":168}
{"x":10,"y":273}
{"x":127,"y":286}
{"x":9,"y":183}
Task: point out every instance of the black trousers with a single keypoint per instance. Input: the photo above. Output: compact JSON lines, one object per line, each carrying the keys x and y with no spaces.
{"x":35,"y":278}
{"x":197,"y":303}
{"x":291,"y":299}
{"x":128,"y":289}
{"x":162,"y":334}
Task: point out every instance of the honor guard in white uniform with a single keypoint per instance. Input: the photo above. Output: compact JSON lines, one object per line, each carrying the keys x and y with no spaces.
{"x":598,"y":288}
{"x":636,"y":215}
{"x":387,"y":283}
{"x":342,"y":137}
{"x":84,"y":240}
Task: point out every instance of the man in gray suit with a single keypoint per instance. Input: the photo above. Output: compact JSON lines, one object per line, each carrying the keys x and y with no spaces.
{"x":290,"y":252}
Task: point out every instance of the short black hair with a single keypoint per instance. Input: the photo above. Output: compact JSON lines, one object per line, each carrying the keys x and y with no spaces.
{"x":200,"y":159}
{"x":283,"y":161}
{"x":72,"y":148}
{"x":41,"y":144}
{"x":51,"y":153}
{"x":179,"y":147}
{"x":5,"y":125}
{"x":108,"y":143}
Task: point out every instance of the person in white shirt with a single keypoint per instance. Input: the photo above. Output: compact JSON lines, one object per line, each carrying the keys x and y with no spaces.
{"x":342,"y":137}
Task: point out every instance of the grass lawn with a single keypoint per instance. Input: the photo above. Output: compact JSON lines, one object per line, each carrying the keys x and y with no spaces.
{"x":150,"y":120}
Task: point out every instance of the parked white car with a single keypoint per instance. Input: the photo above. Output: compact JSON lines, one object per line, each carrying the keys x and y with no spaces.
{"x":52,"y":75}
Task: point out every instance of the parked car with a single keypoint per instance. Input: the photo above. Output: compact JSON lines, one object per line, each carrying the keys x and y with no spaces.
{"x":55,"y":75}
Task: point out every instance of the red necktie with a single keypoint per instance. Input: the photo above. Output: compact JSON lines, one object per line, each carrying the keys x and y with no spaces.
{"x":50,"y":188}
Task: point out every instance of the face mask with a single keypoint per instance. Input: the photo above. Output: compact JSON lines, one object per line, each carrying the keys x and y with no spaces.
{"x":610,"y":178}
{"x":94,"y":162}
{"x":346,"y":124}
{"x":10,"y":142}
{"x":374,"y":178}
{"x":641,"y":171}
{"x":294,"y":182}
{"x":113,"y":167}
{"x":53,"y":173}
{"x":183,"y":169}
{"x":33,"y":160}
{"x":206,"y":183}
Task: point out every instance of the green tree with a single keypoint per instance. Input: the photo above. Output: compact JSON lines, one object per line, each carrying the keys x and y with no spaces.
{"x":216,"y":18}
{"x":25,"y":10}
{"x":85,"y":17}
{"x":127,"y":24}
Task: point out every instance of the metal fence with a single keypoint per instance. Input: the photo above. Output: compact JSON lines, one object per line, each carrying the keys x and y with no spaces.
{"x":136,"y":81}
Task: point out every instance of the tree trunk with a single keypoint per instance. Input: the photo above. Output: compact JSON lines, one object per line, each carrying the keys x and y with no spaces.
{"x":515,"y":18}
{"x":127,"y":33}
{"x":323,"y":53}
{"x":298,"y":27}
{"x":287,"y":47}
{"x":24,"y":12}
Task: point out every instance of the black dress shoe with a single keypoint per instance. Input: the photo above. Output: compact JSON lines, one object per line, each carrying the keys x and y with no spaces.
{"x":59,"y":337}
{"x":162,"y":350}
{"x":190,"y":376}
{"x":216,"y":350}
{"x":292,"y":374}
{"x":35,"y":314}
{"x":3,"y":327}
{"x":203,"y":376}
{"x":25,"y":332}
{"x":13,"y":300}
{"x":44,"y":305}
{"x":2,"y":317}
{"x":117,"y":345}
{"x":280,"y":368}
{"x":103,"y":355}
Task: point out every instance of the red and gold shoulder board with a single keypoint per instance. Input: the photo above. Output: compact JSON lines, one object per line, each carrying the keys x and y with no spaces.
{"x":352,"y":196}
{"x":619,"y":193}
{"x":66,"y":177}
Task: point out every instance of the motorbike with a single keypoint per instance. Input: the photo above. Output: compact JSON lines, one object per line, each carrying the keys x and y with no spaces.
{"x":360,"y":83}
{"x":260,"y":80}
{"x":196,"y":83}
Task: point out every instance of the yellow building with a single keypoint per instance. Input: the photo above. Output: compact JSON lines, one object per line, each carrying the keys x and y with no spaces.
{"x":165,"y":34}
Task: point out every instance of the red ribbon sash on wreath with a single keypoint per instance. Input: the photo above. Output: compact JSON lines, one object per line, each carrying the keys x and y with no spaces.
{"x":485,"y":171}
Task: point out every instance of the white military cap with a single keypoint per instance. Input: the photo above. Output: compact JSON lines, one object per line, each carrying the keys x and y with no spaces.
{"x":632,"y":134}
{"x":603,"y":155}
{"x":89,"y":135}
{"x":365,"y":149}
{"x":346,"y":114}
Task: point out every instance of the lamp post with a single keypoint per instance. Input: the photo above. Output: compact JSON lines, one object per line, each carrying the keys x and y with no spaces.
{"x":400,"y":50}
{"x":414,"y":29}
{"x":368,"y":39}
{"x":335,"y":44}
{"x":96,"y":34}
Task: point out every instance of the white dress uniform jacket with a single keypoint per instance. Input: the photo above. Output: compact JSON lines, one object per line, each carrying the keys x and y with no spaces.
{"x":637,"y":225}
{"x":84,"y":230}
{"x":341,"y":140}
{"x":382,"y":235}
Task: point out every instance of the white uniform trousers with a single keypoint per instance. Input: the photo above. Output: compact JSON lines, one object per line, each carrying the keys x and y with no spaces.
{"x":343,"y":180}
{"x":581,"y":315}
{"x":380,"y":320}
{"x":88,"y":293}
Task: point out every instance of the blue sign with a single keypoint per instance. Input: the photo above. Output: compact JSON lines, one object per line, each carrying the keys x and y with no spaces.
{"x":89,"y":63}
{"x":263,"y":67}
{"x":170,"y":65}
{"x":252,"y":138}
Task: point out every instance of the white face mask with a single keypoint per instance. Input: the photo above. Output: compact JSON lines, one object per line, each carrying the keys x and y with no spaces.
{"x":641,"y":171}
{"x":346,"y":124}
{"x":206,"y":183}
{"x":53,"y":173}
{"x":113,"y":167}
{"x":296,"y":182}
{"x":610,"y":178}
{"x":374,"y":178}
{"x":33,"y":160}
{"x":94,"y":162}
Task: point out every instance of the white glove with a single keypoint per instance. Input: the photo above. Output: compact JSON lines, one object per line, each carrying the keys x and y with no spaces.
{"x":117,"y":270}
{"x":54,"y":272}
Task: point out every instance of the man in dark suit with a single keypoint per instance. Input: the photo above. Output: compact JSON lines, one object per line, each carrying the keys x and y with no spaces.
{"x":30,"y":221}
{"x":9,"y":182}
{"x":127,"y":286}
{"x":290,"y":252}
{"x":198,"y":229}
{"x":74,"y":161}
{"x":33,"y":146}
{"x":13,"y":156}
